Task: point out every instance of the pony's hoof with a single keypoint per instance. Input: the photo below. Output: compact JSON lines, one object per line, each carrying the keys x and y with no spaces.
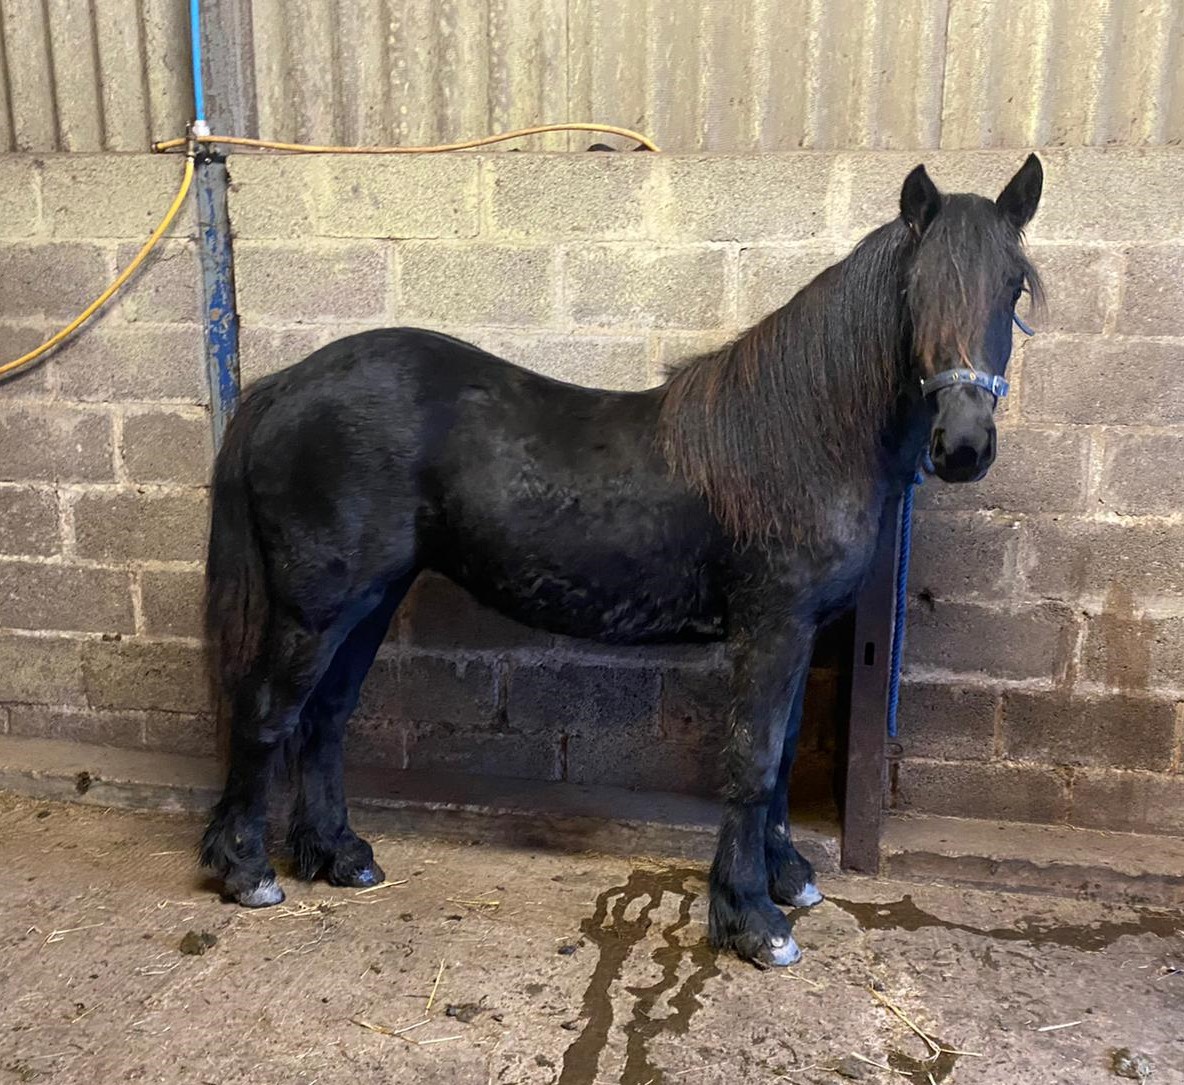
{"x":807,"y":896}
{"x":264,"y":895}
{"x":753,"y":929}
{"x":361,"y":878}
{"x":782,"y":951}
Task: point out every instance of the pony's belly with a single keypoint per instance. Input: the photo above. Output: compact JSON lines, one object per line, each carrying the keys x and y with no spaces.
{"x":621,"y":609}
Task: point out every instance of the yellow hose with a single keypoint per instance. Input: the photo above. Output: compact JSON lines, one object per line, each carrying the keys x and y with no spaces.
{"x":299,"y":148}
{"x":464,"y":145}
{"x":122,"y":278}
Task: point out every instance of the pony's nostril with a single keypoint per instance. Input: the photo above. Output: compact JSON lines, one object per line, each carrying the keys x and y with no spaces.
{"x":937,"y":447}
{"x":961,"y":458}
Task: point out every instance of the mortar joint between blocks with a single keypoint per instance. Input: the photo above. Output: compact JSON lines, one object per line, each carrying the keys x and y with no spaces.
{"x":118,"y":462}
{"x":1116,"y":282}
{"x":560,"y":316}
{"x":1176,"y":765}
{"x":838,"y":197}
{"x":486,"y":178}
{"x":136,"y":587}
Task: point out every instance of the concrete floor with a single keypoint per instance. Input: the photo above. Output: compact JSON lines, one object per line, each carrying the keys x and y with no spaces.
{"x":555,"y":968}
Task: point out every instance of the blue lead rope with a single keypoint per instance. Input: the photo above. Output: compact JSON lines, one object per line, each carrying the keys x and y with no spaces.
{"x":902,"y":585}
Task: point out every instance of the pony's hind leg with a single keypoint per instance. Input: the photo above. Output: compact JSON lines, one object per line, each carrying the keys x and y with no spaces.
{"x":791,"y":874}
{"x":320,"y":835}
{"x":266,"y":712}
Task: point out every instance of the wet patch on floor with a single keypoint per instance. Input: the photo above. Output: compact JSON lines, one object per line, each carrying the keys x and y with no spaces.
{"x":906,"y":915}
{"x":616,"y":937}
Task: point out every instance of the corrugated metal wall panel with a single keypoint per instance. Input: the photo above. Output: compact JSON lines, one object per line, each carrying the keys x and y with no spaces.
{"x":698,"y":75}
{"x":122,"y":74}
{"x":108,"y":75}
{"x":1141,"y":93}
{"x":71,"y":33}
{"x":6,"y":138}
{"x":169,"y":80}
{"x":738,"y":75}
{"x":30,"y":79}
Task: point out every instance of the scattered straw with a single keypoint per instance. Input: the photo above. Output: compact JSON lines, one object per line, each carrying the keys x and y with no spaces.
{"x":435,"y":987}
{"x":1057,"y":1028}
{"x":60,"y":936}
{"x":804,"y":1069}
{"x":384,"y":1031}
{"x":401,"y":1033}
{"x":474,"y":903}
{"x":305,"y":947}
{"x":380,"y":885}
{"x":302,"y":910}
{"x":789,"y":974}
{"x":149,"y":970}
{"x":934,"y":1047}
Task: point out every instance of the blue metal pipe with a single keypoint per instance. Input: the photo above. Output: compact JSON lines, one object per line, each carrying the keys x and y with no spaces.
{"x":217,"y":258}
{"x":221,"y":316}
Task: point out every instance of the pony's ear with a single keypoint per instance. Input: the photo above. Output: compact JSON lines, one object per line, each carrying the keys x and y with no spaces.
{"x":1017,"y":202}
{"x":919,"y":200}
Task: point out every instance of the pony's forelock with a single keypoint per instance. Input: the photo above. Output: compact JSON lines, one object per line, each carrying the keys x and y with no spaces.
{"x":965,"y":262}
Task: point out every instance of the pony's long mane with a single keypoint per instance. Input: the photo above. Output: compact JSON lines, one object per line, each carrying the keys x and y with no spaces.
{"x":771,"y":426}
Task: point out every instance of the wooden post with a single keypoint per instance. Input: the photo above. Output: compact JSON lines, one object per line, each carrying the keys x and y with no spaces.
{"x":875,"y":613}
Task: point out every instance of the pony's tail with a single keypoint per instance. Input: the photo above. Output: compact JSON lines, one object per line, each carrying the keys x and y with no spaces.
{"x":237,"y":606}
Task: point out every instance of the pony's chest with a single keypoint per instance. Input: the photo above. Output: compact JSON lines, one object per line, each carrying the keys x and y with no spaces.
{"x":825,"y":575}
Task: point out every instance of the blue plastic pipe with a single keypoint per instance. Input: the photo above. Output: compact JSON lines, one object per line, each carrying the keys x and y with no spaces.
{"x":200,"y":128}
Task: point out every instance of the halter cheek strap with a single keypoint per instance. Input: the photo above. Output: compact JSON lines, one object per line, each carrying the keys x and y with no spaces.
{"x":997,"y":386}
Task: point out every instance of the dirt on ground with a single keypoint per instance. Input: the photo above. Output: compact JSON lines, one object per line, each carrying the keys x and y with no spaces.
{"x":478,"y":964}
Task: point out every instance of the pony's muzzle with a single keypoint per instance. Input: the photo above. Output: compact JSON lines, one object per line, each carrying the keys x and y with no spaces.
{"x":962,"y":440}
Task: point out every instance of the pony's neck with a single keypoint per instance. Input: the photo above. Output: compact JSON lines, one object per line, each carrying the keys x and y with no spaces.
{"x":802,"y":410}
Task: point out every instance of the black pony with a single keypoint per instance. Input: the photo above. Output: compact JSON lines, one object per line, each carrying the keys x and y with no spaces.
{"x":739,"y":500}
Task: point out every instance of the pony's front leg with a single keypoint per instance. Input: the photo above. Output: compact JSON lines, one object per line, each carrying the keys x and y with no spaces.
{"x":768,"y":670}
{"x":791,"y":874}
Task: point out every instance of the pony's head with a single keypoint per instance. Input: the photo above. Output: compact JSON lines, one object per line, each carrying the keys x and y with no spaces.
{"x":963,"y":283}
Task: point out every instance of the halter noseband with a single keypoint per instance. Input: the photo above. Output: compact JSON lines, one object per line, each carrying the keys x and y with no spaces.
{"x":997,"y":386}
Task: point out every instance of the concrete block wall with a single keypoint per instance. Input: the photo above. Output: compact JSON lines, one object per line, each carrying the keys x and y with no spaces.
{"x":1045,"y":659}
{"x":1043,"y":678}
{"x":104,"y":456}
